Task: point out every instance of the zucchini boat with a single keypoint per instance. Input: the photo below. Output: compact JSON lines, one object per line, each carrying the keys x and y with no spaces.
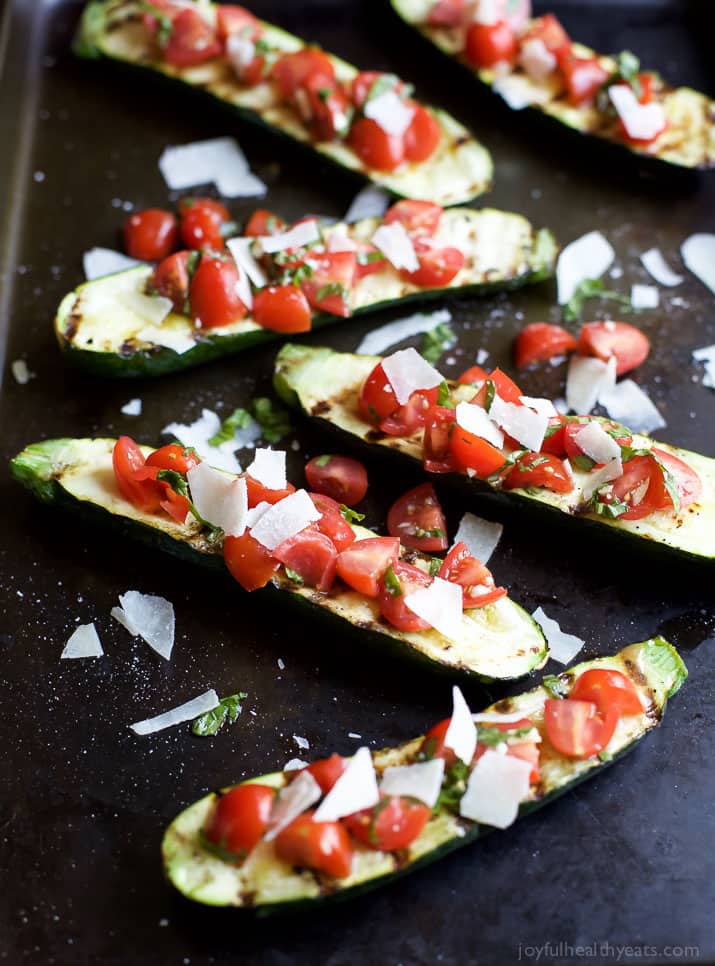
{"x":234,"y":61}
{"x":326,"y":386}
{"x":266,"y":882}
{"x":533,"y":64}
{"x":499,"y":641}
{"x":105,"y":325}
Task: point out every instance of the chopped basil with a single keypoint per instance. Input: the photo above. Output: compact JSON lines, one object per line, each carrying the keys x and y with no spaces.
{"x":583,"y":462}
{"x":434,"y":566}
{"x":670,"y":484}
{"x":554,"y":685}
{"x":626,"y":72}
{"x":491,"y":737}
{"x":454,"y":786}
{"x":434,"y":532}
{"x":392,"y":584}
{"x":490,"y":391}
{"x":613,"y":509}
{"x":443,"y":395}
{"x":388,"y":82}
{"x":588,"y":289}
{"x":537,"y":461}
{"x":226,"y":711}
{"x":374,"y":815}
{"x":165,"y":25}
{"x":436,"y":341}
{"x":367,"y":258}
{"x":322,"y":460}
{"x":550,"y":430}
{"x":605,"y":755}
{"x":324,"y":93}
{"x":293,"y":276}
{"x":293,"y":575}
{"x":239,"y":419}
{"x":261,"y":46}
{"x":352,"y":516}
{"x":273,"y":418}
{"x":332,"y":288}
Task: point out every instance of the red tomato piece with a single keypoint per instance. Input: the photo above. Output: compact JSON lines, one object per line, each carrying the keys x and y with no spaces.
{"x":332,"y":523}
{"x":539,"y":341}
{"x":408,"y":418}
{"x":375,"y":148}
{"x":282,"y":308}
{"x":420,"y":219}
{"x":213,"y":297}
{"x":433,"y":744}
{"x":368,"y":260}
{"x":170,"y":278}
{"x":312,"y":556}
{"x":321,"y":846}
{"x":363,"y":564}
{"x":326,"y":771}
{"x":578,"y":729}
{"x":291,"y":71}
{"x":330,"y":286}
{"x":605,"y":339}
{"x":150,"y":235}
{"x":687,"y":480}
{"x":640,"y":487}
{"x":201,"y":222}
{"x":173,"y":457}
{"x":584,"y":78}
{"x":258,"y":493}
{"x":363,"y":83}
{"x":239,"y":819}
{"x":548,"y":29}
{"x":392,"y":604}
{"x":377,"y":399}
{"x":392,"y":824}
{"x":446,"y":13}
{"x":232,"y":19}
{"x":423,"y":135}
{"x":554,"y":442}
{"x":191,"y":41}
{"x":437,"y":456}
{"x":438,"y":267}
{"x":525,"y":750}
{"x":472,"y":376}
{"x":490,"y":44}
{"x":476,"y":581}
{"x":127,"y":461}
{"x":248,"y":561}
{"x":474,"y":453}
{"x":607,"y":688}
{"x":263,"y":222}
{"x":539,"y":469}
{"x":340,"y":477}
{"x":327,"y":107}
{"x":417,"y":519}
{"x":503,"y":386}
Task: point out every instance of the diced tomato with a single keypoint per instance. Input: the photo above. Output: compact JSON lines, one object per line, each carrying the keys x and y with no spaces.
{"x":474,"y":453}
{"x":687,"y":480}
{"x":213,"y":297}
{"x":446,"y":13}
{"x":375,"y":148}
{"x":150,"y":235}
{"x":433,"y":744}
{"x":578,"y":729}
{"x":248,"y":561}
{"x":311,"y":555}
{"x":525,"y":750}
{"x":290,"y":71}
{"x":173,"y":503}
{"x":438,"y":267}
{"x":173,"y":457}
{"x":605,"y":339}
{"x":503,"y":386}
{"x":584,"y":78}
{"x":330,"y":286}
{"x":239,"y":819}
{"x":491,"y":44}
{"x":407,"y":419}
{"x":377,"y":398}
{"x":328,"y":107}
{"x":340,"y":477}
{"x":472,"y":376}
{"x":573,"y":427}
{"x":201,"y":222}
{"x":232,"y":19}
{"x":321,"y":846}
{"x":332,"y":523}
{"x":392,"y":824}
{"x":548,"y":29}
{"x":420,"y":219}
{"x":392,"y":604}
{"x":437,"y":456}
{"x":326,"y":771}
{"x":262,"y":223}
{"x":423,"y":135}
{"x":640,"y":487}
{"x":554,"y":438}
{"x":362,"y":565}
{"x":607,"y":688}
{"x":539,"y":341}
{"x":539,"y":469}
{"x":476,"y":581}
{"x":127,"y":460}
{"x":170,"y":278}
{"x":166,"y":9}
{"x":258,"y":493}
{"x":191,"y":41}
{"x":417,"y":519}
{"x":282,"y":308}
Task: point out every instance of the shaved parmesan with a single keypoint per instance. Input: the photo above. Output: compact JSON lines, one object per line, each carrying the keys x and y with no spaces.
{"x":707,"y":355}
{"x":521,"y":423}
{"x":587,"y":257}
{"x":461,"y":735}
{"x":83,"y":642}
{"x":354,"y":790}
{"x":562,"y":647}
{"x":496,"y":787}
{"x":240,"y":51}
{"x":627,"y":403}
{"x":98,"y":262}
{"x":543,"y":406}
{"x":180,"y":342}
{"x":536,"y":59}
{"x":20,"y":372}
{"x":586,"y":381}
{"x":284,"y":519}
{"x":219,"y":498}
{"x":292,"y":801}
{"x":407,"y":371}
{"x":185,"y":712}
{"x":149,"y":617}
{"x":698,"y":253}
{"x":597,"y":478}
{"x":645,"y":297}
{"x":295,"y":764}
{"x":642,"y":122}
{"x":390,"y":112}
{"x":340,"y":241}
{"x":269,"y":468}
{"x":378,"y":340}
{"x":597,"y":444}
{"x":656,"y":265}
{"x":255,"y":513}
{"x":519,"y":91}
{"x":476,"y":420}
{"x":440,"y":605}
{"x":132,"y":408}
{"x":486,"y":12}
{"x":152,"y":309}
{"x":240,"y":249}
{"x":422,"y":781}
{"x":480,"y":536}
{"x":197,"y":435}
{"x":396,"y":245}
{"x":218,"y":160}
{"x":302,"y":743}
{"x":304,"y":233}
{"x":371,"y":202}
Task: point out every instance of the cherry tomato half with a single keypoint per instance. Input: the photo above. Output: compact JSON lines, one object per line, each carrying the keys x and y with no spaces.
{"x":326,"y":771}
{"x":248,"y":561}
{"x":151,"y":235}
{"x":376,"y":148}
{"x":392,"y":824}
{"x":422,"y":137}
{"x":340,"y":477}
{"x":490,"y":44}
{"x":607,"y":688}
{"x":170,"y":278}
{"x":321,"y":846}
{"x":239,"y":819}
{"x":362,"y":565}
{"x":191,"y":41}
{"x":416,"y":518}
{"x":578,"y":729}
{"x":212,"y":294}
{"x":605,"y":339}
{"x":438,"y":267}
{"x":539,"y":341}
{"x":392,"y":603}
{"x":173,"y":457}
{"x":539,"y":469}
{"x":312,"y":555}
{"x":476,"y":581}
{"x":282,"y":308}
{"x":420,"y":219}
{"x":201,"y":222}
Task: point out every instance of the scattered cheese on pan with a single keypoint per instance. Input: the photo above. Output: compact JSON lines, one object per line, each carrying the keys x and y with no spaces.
{"x":304,"y":233}
{"x":295,"y":764}
{"x":218,"y":160}
{"x":586,"y":381}
{"x":480,"y":536}
{"x":132,"y":408}
{"x":707,"y":355}
{"x":196,"y":435}
{"x":476,"y":420}
{"x":291,"y":802}
{"x":587,"y":257}
{"x":240,"y":249}
{"x":597,"y":444}
{"x":520,"y":422}
{"x":371,"y":202}
{"x":180,"y":342}
{"x":390,"y":112}
{"x":354,"y":790}
{"x":496,"y":787}
{"x":269,"y":468}
{"x":641,"y":121}
{"x":302,"y":743}
{"x":422,"y":781}
{"x":284,"y":519}
{"x":536,"y":59}
{"x":396,"y":245}
{"x":698,"y":253}
{"x":219,"y":498}
{"x":21,"y":374}
{"x":645,"y":297}
{"x":407,"y":372}
{"x":98,"y":262}
{"x":184,"y":712}
{"x":627,"y":403}
{"x":83,"y":642}
{"x":562,"y":647}
{"x":461,"y":735}
{"x":149,"y":617}
{"x":658,"y":268}
{"x":440,"y":605}
{"x":378,"y":340}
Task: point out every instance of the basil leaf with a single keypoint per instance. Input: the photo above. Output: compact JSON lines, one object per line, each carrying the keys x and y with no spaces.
{"x":491,"y":737}
{"x":443,"y":396}
{"x":293,"y":575}
{"x":392,"y":584}
{"x":454,"y":786}
{"x":322,"y":460}
{"x":273,"y":418}
{"x":332,"y":288}
{"x":352,"y":516}
{"x":239,"y":419}
{"x":583,"y":462}
{"x":434,"y":566}
{"x":436,"y":341}
{"x":226,"y":711}
{"x":554,"y":685}
{"x":588,"y":289}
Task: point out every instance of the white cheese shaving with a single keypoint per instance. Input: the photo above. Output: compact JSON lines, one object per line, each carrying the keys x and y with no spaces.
{"x":644,"y":297}
{"x":476,"y":420}
{"x":20,"y":372}
{"x":520,"y":422}
{"x":698,"y":253}
{"x":707,"y":355}
{"x":292,"y":801}
{"x":597,"y":478}
{"x":354,"y":790}
{"x":83,"y":642}
{"x":396,"y":245}
{"x":562,"y":647}
{"x":197,"y":435}
{"x":536,"y":59}
{"x":98,"y":262}
{"x":641,"y":121}
{"x":544,"y":406}
{"x":240,"y":249}
{"x":185,"y":712}
{"x":390,"y":112}
{"x":587,"y":257}
{"x":627,"y":403}
{"x":132,"y":408}
{"x":240,"y":51}
{"x":378,"y":340}
{"x":461,"y":735}
{"x":422,"y":781}
{"x":440,"y":605}
{"x":304,"y":233}
{"x":284,"y":519}
{"x":587,"y":380}
{"x":371,"y":202}
{"x":597,"y":444}
{"x":302,"y":743}
{"x":295,"y":764}
{"x":480,"y":536}
{"x":486,"y":12}
{"x":269,"y":468}
{"x":149,"y":617}
{"x":180,"y":342}
{"x":256,"y":512}
{"x":218,"y":160}
{"x":407,"y":372}
{"x":152,"y":309}
{"x":339,"y":241}
{"x":659,"y":269}
{"x":519,"y":91}
{"x":219,"y":498}
{"x":481,"y":357}
{"x":496,"y":787}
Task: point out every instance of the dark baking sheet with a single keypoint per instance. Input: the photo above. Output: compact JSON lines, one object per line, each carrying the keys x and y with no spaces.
{"x":625,"y":860}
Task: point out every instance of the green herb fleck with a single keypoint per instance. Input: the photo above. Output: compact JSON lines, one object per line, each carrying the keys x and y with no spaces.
{"x":420,"y":532}
{"x":491,"y":737}
{"x":454,"y":786}
{"x":434,"y":566}
{"x":164,"y":23}
{"x":583,"y":463}
{"x":392,"y":584}
{"x":273,"y":418}
{"x":443,"y":395}
{"x":226,"y":711}
{"x":605,"y":755}
{"x":294,"y":575}
{"x":436,"y":341}
{"x":626,"y":72}
{"x":322,"y":460}
{"x":555,"y":686}
{"x":368,"y":258}
{"x":352,"y":516}
{"x":490,"y":391}
{"x":324,"y":94}
{"x":239,"y":419}
{"x":588,"y":289}
{"x":332,"y":288}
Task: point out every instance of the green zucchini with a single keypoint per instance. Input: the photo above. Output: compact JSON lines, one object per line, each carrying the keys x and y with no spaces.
{"x":266,"y":884}
{"x":688,"y":142}
{"x":326,"y":384}
{"x":459,"y":170}
{"x":97,"y":328}
{"x":502,"y":641}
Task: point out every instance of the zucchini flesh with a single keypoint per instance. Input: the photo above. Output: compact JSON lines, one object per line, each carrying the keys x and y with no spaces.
{"x":96,"y":324}
{"x":688,"y":141}
{"x":266,"y":884}
{"x":326,"y":384}
{"x":459,"y":170}
{"x":500,"y":641}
